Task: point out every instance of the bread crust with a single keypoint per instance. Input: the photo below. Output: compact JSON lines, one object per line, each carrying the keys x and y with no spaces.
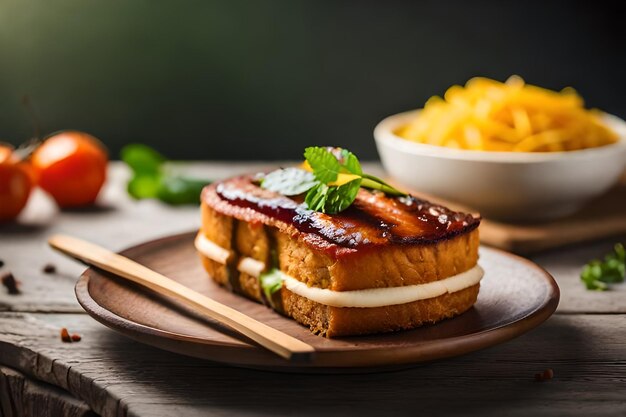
{"x":394,"y":265}
{"x":377,"y":221}
{"x":332,"y":321}
{"x":351,"y":321}
{"x":437,"y":261}
{"x":390,"y":266}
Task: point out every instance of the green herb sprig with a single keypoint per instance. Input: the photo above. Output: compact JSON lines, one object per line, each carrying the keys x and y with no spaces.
{"x":154,"y":177}
{"x":597,"y":274}
{"x":271,"y":282}
{"x":332,"y":183}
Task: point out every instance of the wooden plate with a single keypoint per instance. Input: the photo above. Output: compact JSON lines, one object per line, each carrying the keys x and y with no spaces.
{"x":515,"y":296}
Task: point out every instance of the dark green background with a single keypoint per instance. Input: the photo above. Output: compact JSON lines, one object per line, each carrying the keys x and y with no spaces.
{"x":262,"y":79}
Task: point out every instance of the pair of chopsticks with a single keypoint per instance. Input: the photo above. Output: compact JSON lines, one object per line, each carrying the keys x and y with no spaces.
{"x":274,"y":340}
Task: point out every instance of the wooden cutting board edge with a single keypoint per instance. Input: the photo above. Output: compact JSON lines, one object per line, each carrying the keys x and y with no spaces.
{"x":602,"y":218}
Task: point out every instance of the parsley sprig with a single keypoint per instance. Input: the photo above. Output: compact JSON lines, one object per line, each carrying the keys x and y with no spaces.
{"x":598,"y":274}
{"x":331,"y":178}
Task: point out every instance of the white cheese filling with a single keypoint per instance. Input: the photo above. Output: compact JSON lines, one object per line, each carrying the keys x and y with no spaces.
{"x":379,"y":297}
{"x":210,"y":249}
{"x":373,"y":297}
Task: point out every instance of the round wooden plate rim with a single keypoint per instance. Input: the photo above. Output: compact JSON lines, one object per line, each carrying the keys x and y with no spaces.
{"x":101,"y":314}
{"x":110,"y":319}
{"x":461,"y":344}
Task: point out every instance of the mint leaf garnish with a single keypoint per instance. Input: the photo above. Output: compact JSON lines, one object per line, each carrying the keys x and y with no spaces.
{"x":316,"y":197}
{"x":325,"y":165}
{"x":351,"y":162}
{"x":333,"y":183}
{"x":289,"y":181}
{"x":342,"y":197}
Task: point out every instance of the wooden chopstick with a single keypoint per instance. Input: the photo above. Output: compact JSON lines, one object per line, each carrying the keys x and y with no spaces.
{"x":274,"y":340}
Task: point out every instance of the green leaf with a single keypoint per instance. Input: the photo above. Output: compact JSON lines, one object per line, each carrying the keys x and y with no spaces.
{"x":152,"y":179}
{"x":590,"y":276}
{"x":324,"y":164}
{"x":620,"y":252}
{"x":326,"y":188}
{"x":372,"y":182}
{"x":316,"y":197}
{"x":180,"y":190}
{"x":596,"y":275}
{"x":351,"y":162}
{"x":332,"y":200}
{"x":289,"y":181}
{"x":142,"y":159}
{"x":144,"y":186}
{"x":342,"y":197}
{"x":271,"y":282}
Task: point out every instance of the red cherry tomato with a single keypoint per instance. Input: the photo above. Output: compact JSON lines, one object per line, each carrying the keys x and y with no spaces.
{"x":5,"y":152}
{"x":71,"y":167}
{"x":16,"y":183}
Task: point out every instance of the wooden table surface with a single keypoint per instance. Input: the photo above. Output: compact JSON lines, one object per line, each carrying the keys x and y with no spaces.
{"x":109,"y":375}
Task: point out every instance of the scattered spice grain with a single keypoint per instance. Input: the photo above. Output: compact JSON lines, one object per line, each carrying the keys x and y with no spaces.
{"x":11,"y":284}
{"x":65,"y":336}
{"x":548,"y":374}
{"x":545,"y":375}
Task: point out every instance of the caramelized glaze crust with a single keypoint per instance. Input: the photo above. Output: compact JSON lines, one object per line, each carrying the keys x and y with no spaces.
{"x":373,"y":221}
{"x":378,"y":242}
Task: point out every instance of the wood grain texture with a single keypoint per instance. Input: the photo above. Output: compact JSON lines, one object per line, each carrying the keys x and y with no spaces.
{"x":601,"y":218}
{"x":21,"y":396}
{"x":515,"y":296}
{"x":565,"y":265}
{"x":119,"y":377}
{"x":116,"y":222}
{"x":24,"y":252}
{"x":272,"y":339}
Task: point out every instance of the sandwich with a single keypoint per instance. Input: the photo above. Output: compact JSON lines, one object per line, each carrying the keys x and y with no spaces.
{"x":337,"y":250}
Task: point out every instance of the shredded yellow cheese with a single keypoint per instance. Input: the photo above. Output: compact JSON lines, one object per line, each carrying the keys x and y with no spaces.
{"x":488,"y":115}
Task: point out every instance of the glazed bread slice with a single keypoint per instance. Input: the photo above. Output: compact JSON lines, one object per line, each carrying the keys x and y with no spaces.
{"x":378,"y":243}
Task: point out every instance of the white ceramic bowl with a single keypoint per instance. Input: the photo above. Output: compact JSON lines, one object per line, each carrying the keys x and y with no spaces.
{"x":503,"y":185}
